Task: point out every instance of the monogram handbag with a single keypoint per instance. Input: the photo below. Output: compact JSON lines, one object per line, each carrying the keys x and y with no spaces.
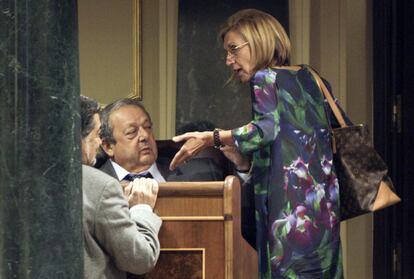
{"x":364,"y":184}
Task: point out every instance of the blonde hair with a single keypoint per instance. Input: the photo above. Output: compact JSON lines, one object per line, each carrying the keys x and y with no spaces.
{"x":268,"y":41}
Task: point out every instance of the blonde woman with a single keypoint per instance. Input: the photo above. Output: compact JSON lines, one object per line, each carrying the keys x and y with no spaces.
{"x":286,"y":148}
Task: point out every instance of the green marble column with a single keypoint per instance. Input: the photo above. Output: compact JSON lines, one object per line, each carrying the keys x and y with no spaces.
{"x":40,"y":173}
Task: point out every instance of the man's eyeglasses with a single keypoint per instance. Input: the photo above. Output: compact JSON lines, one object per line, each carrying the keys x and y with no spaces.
{"x":234,"y":49}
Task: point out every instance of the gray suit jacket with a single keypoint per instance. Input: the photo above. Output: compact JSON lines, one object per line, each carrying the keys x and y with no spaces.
{"x":115,"y":240}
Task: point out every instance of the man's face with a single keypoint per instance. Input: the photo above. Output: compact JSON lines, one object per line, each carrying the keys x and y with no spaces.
{"x":91,"y":143}
{"x":135,"y":148}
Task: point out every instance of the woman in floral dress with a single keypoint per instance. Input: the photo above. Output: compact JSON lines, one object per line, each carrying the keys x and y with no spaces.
{"x":287,"y":150}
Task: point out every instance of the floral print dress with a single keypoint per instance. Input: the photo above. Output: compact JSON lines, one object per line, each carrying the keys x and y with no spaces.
{"x":296,"y":189}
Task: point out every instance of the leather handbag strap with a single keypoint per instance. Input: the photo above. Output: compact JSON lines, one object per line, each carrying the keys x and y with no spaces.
{"x":328,"y":96}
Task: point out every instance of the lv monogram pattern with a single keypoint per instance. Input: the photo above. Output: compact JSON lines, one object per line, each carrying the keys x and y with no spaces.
{"x":359,"y":169}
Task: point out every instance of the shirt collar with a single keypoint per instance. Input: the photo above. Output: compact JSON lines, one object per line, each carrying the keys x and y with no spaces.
{"x":121,"y":172}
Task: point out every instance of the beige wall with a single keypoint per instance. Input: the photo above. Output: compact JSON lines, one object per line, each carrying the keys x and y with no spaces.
{"x":334,"y":36}
{"x":107,"y":54}
{"x":359,"y":89}
{"x":159,"y":56}
{"x":105,"y":49}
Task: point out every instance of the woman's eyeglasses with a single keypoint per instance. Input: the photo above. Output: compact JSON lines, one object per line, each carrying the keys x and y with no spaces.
{"x":234,"y":49}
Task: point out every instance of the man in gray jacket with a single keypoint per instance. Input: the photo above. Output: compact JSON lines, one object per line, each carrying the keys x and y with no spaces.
{"x":120,"y":229}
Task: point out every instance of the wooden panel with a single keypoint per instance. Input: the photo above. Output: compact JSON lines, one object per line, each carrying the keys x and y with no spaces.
{"x":208,"y":235}
{"x":190,"y":198}
{"x":196,"y":188}
{"x":179,"y":263}
{"x":202,"y":216}
{"x":242,"y":261}
{"x":200,"y":206}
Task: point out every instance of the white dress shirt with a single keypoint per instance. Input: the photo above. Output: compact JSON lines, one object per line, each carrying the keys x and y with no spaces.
{"x":153,"y":170}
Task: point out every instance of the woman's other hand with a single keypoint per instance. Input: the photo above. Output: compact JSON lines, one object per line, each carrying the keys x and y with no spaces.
{"x":194,"y":143}
{"x":241,"y":162}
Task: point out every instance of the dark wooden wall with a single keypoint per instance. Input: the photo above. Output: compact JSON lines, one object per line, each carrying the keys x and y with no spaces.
{"x":394,"y":134}
{"x":201,"y":70}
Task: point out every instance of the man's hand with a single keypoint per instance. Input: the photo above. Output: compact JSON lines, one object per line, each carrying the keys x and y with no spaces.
{"x":142,"y":191}
{"x":126,"y":187}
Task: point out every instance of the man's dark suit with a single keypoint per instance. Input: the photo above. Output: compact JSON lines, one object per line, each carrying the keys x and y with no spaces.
{"x":199,"y":169}
{"x":208,"y":165}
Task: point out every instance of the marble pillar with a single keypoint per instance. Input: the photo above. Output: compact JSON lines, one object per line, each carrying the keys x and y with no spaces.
{"x":40,"y":170}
